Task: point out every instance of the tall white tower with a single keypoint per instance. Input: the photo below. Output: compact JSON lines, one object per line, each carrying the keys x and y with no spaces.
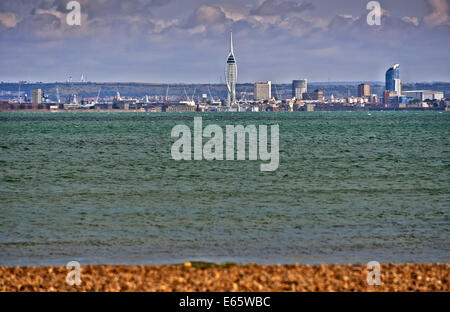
{"x":231,"y":74}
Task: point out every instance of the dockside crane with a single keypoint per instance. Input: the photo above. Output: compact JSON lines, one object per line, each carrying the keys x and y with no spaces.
{"x":276,"y":91}
{"x":193,"y":93}
{"x":18,"y":95}
{"x":166,"y":100}
{"x":58,"y":100}
{"x":98,"y":94}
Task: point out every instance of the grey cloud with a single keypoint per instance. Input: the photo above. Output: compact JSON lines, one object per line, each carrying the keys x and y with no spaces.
{"x":271,"y":7}
{"x":130,"y":34}
{"x":30,"y":28}
{"x":45,"y":20}
{"x":439,"y":12}
{"x":93,"y":8}
{"x":412,"y":20}
{"x":209,"y":16}
{"x":342,"y":22}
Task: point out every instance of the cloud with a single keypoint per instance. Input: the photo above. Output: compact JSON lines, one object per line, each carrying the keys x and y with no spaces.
{"x":8,"y":19}
{"x":209,"y":15}
{"x":439,"y":13}
{"x":133,"y":17}
{"x":300,"y":27}
{"x":270,"y":8}
{"x":112,"y":20}
{"x":137,"y":34}
{"x":161,"y":24}
{"x":206,"y":18}
{"x":412,"y":20}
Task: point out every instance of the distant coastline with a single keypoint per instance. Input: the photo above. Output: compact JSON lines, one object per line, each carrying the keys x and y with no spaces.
{"x":158,"y":109}
{"x":176,"y":90}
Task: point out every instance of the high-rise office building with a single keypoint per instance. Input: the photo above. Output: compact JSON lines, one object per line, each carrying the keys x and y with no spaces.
{"x":299,"y":87}
{"x":36,"y":96}
{"x":363,"y":90}
{"x":393,"y":84}
{"x":231,"y":74}
{"x":262,"y":91}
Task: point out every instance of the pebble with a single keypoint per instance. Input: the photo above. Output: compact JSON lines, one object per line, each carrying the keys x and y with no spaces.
{"x":394,"y":277}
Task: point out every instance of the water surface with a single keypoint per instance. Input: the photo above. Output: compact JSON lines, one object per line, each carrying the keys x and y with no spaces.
{"x":103,"y":188}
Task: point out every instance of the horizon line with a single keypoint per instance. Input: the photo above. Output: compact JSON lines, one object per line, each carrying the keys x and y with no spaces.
{"x":206,"y":83}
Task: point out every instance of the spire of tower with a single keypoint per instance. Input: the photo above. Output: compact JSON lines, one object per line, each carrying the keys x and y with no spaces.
{"x":231,"y":42}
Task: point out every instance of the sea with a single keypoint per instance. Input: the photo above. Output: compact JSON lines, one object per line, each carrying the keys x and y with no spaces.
{"x":103,"y":188}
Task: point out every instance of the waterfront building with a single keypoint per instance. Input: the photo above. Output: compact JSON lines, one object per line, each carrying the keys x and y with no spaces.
{"x":393,"y":83}
{"x":299,"y":87}
{"x":36,"y":97}
{"x":363,"y":90}
{"x":374,"y":98}
{"x":231,"y":74}
{"x":386,"y":96}
{"x":180,"y":108}
{"x":310,"y":107}
{"x":423,"y":95}
{"x":262,"y":91}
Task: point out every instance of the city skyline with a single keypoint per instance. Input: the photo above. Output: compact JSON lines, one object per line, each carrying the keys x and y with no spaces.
{"x":175,"y":42}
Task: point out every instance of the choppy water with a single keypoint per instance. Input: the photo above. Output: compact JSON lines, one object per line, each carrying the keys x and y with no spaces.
{"x":102,"y":188}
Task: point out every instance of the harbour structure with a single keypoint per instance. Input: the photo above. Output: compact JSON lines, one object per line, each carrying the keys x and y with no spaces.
{"x":231,"y":75}
{"x":36,"y":96}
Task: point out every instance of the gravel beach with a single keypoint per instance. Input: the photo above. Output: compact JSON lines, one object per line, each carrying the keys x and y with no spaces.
{"x":229,"y":277}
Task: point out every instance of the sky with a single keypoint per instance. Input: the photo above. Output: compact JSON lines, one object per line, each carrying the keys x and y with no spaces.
{"x":186,"y":41}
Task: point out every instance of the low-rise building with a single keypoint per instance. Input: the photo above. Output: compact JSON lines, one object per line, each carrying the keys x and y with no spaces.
{"x":423,"y":95}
